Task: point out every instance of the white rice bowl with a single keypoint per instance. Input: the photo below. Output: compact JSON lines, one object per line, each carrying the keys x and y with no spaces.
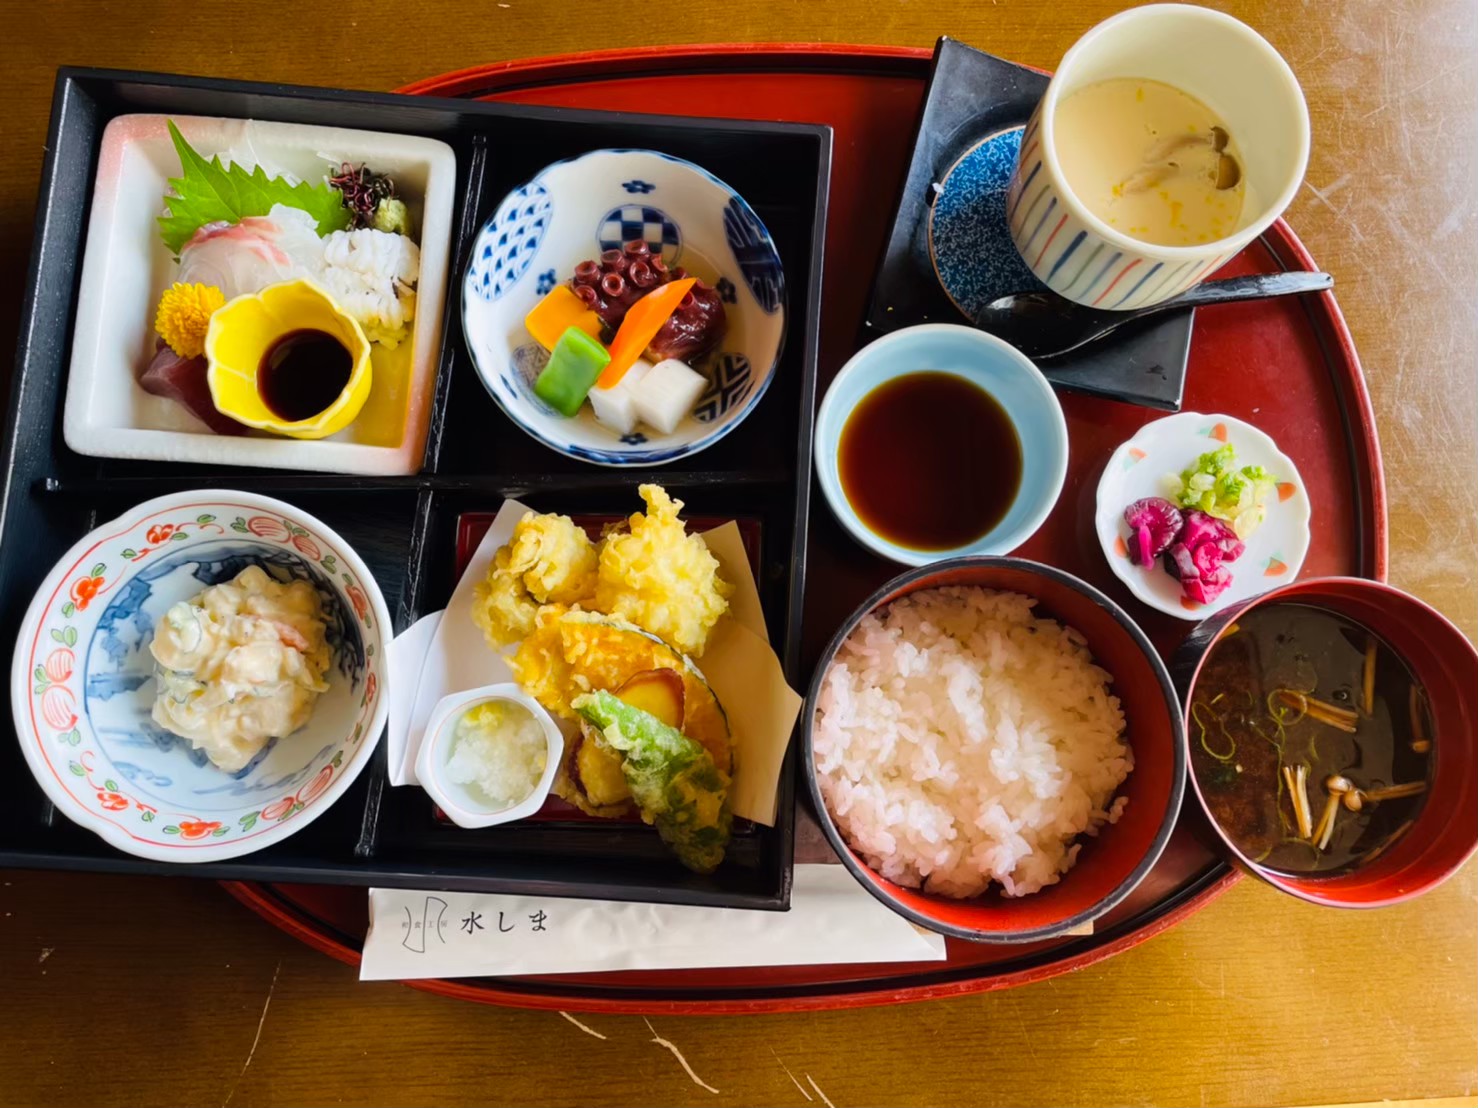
{"x":960,"y":740}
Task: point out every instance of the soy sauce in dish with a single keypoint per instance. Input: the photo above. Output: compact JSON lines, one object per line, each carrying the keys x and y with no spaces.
{"x":303,"y":372}
{"x":1295,"y":699}
{"x":929,"y":461}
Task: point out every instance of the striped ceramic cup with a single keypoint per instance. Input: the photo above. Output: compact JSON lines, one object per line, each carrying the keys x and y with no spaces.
{"x":1222,"y":62}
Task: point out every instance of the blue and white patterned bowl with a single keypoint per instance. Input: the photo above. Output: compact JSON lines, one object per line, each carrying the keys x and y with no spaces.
{"x":574,"y":210}
{"x":82,"y":679}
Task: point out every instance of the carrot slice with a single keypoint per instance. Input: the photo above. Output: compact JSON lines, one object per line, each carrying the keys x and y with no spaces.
{"x":643,"y":320}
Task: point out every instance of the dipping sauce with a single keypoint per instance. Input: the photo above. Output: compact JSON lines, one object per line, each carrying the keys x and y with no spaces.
{"x":1299,"y":698}
{"x":929,"y":461}
{"x":303,"y":372}
{"x":1151,"y":161}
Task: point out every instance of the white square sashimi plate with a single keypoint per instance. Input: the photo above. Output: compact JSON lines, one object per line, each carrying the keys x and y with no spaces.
{"x":126,"y":267}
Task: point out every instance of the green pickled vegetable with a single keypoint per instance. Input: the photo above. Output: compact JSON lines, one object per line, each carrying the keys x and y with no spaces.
{"x":574,"y":365}
{"x":672,"y":778}
{"x":1217,"y":486}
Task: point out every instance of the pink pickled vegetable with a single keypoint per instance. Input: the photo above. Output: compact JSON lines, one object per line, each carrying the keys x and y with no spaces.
{"x":1197,"y":548}
{"x":1180,"y":563}
{"x":1207,"y":559}
{"x":1155,"y":522}
{"x":183,"y":381}
{"x":1204,"y":590}
{"x":1201,"y":528}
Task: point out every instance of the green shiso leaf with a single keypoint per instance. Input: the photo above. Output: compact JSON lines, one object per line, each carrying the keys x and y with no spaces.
{"x":207,"y":192}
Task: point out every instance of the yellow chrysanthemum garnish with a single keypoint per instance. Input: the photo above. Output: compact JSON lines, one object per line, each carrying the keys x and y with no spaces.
{"x":184,"y":317}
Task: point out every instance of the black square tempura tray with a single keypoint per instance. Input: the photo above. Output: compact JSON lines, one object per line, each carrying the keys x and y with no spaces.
{"x":405,"y":527}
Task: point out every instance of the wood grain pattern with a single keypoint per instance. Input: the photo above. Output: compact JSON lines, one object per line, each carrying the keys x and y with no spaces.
{"x":165,"y":991}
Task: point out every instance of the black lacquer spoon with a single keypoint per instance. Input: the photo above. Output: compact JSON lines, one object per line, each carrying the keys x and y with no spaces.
{"x":1045,"y":325}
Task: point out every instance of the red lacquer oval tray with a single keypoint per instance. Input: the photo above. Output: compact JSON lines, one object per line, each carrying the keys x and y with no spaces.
{"x":1287,"y":366}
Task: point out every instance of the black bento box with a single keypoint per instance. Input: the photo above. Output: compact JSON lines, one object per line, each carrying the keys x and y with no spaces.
{"x":405,"y":528}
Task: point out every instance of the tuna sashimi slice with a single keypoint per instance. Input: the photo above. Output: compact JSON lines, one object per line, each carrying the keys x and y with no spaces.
{"x":183,"y":381}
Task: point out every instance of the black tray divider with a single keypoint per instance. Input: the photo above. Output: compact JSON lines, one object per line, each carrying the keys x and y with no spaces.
{"x":463,"y":236}
{"x":795,"y":600}
{"x":501,"y":485}
{"x":407,"y":611}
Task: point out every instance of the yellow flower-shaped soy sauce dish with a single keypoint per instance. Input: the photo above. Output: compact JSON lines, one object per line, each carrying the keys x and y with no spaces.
{"x":272,"y":352}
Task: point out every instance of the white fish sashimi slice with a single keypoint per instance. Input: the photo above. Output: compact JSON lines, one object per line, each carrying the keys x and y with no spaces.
{"x":258,"y":251}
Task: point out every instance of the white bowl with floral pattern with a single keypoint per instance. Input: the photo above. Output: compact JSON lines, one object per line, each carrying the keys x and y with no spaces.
{"x":1160,"y":450}
{"x":82,"y":679}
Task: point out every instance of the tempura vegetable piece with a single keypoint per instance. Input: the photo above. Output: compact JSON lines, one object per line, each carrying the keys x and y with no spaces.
{"x":555,"y":558}
{"x":501,"y":606}
{"x":570,"y":653}
{"x":660,"y":578}
{"x":591,"y":777}
{"x":657,"y":691}
{"x":673,"y":780}
{"x":548,"y":560}
{"x":539,"y":664}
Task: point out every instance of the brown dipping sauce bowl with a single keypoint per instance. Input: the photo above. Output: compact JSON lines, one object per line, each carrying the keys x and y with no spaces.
{"x":1440,"y":657}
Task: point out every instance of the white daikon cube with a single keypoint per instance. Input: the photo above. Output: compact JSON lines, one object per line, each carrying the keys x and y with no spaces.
{"x":615,"y":407}
{"x":668,"y":393}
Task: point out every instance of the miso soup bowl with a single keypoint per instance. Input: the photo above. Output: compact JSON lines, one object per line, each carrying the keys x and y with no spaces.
{"x":1111,"y":864}
{"x":1223,"y":63}
{"x":1445,"y":834}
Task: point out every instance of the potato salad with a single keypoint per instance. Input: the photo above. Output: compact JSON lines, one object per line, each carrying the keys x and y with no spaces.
{"x":239,"y":664}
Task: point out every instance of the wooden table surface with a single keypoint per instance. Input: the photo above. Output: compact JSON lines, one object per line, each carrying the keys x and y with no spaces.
{"x":133,"y":991}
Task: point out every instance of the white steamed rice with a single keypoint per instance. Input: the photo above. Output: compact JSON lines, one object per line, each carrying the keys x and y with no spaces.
{"x":960,"y":740}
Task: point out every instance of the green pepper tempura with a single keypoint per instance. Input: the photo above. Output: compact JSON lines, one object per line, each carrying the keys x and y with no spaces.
{"x":672,"y":778}
{"x":1216,"y":486}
